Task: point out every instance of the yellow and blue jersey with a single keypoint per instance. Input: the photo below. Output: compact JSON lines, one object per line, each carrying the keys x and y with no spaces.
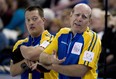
{"x":35,"y":42}
{"x":83,"y":48}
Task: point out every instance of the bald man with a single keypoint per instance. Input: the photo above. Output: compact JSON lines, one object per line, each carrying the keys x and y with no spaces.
{"x":79,"y":45}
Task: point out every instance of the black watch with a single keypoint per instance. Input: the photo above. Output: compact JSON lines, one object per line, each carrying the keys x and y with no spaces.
{"x":24,"y":66}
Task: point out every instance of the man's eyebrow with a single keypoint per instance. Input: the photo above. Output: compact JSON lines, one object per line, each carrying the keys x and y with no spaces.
{"x":87,"y":15}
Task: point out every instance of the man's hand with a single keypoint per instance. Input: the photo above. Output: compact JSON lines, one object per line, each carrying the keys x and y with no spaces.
{"x":50,"y":59}
{"x":55,"y":60}
{"x":48,"y":67}
{"x":39,"y":67}
{"x":34,"y":65}
{"x":29,"y":63}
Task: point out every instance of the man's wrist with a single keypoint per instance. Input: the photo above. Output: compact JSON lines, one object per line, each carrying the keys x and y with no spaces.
{"x":45,"y":58}
{"x":24,"y":66}
{"x":53,"y":66}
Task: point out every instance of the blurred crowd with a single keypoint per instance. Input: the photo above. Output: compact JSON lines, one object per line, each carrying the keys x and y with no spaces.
{"x":57,"y":13}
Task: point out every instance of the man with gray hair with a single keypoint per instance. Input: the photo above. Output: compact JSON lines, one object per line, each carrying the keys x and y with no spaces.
{"x":79,"y":45}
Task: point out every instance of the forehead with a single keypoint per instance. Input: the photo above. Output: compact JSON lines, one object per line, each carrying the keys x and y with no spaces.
{"x":82,"y":10}
{"x":32,"y":13}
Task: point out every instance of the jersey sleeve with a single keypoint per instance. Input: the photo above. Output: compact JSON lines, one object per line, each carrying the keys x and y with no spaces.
{"x":46,"y":39}
{"x":91,"y":51}
{"x":54,"y":44}
{"x":46,"y":36}
{"x":52,"y":47}
{"x":19,"y":43}
{"x":16,"y":55}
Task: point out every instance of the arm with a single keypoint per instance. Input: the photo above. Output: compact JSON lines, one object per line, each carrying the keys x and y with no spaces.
{"x":48,"y":59}
{"x":31,"y":53}
{"x":71,"y":70}
{"x":15,"y":69}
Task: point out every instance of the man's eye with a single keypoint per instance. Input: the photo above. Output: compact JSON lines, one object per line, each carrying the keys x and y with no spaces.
{"x":34,"y":19}
{"x":77,"y":14}
{"x":28,"y":20}
{"x":84,"y":17}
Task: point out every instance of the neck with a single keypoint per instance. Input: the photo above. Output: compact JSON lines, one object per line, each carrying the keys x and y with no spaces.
{"x":37,"y":35}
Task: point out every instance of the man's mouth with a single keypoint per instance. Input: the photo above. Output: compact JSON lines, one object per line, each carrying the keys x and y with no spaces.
{"x":77,"y":24}
{"x":32,"y":27}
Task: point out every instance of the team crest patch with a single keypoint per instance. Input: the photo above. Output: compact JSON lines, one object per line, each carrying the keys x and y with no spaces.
{"x":77,"y":48}
{"x":88,"y":56}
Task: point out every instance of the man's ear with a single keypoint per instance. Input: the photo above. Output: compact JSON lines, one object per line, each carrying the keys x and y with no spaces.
{"x":71,"y":14}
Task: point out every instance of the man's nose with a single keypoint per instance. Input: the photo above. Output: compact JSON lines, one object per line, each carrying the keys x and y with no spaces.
{"x":79,"y":18}
{"x":31,"y":22}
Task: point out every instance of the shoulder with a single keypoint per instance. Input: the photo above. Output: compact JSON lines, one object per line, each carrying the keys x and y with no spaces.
{"x":19,"y":42}
{"x":91,"y":37}
{"x":46,"y":36}
{"x":46,"y":33}
{"x":63,"y":31}
{"x":89,"y":34}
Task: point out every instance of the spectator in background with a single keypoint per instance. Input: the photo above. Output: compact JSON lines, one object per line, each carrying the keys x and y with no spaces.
{"x":16,"y":26}
{"x":109,"y":47}
{"x":65,"y":18}
{"x":55,"y":26}
{"x":17,"y":22}
{"x":112,"y":7}
{"x":44,"y":3}
{"x":49,"y":15}
{"x":97,"y":23}
{"x":96,"y":4}
{"x":3,"y":40}
{"x":4,"y":43}
{"x":63,"y":4}
{"x":5,"y":12}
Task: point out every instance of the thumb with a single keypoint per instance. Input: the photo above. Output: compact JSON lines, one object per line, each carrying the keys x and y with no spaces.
{"x":62,"y":60}
{"x":54,"y":52}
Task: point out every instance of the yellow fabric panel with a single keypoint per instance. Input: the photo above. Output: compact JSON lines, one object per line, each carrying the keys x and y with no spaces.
{"x":18,"y":43}
{"x":51,"y":75}
{"x":63,"y":31}
{"x":90,"y":75}
{"x":54,"y":43}
{"x":87,"y":40}
{"x":46,"y":36}
{"x":30,"y":76}
{"x":88,"y":35}
{"x":52,"y":46}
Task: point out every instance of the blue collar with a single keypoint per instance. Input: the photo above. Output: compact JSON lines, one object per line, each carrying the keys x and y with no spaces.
{"x":74,"y":36}
{"x":34,"y":40}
